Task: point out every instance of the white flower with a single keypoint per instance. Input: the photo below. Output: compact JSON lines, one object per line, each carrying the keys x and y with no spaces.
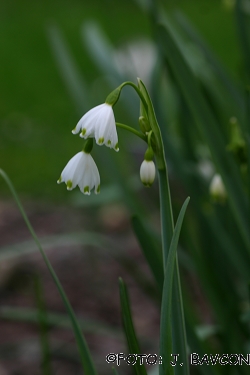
{"x":81,"y":170}
{"x":147,"y":172}
{"x":99,"y":123}
{"x":217,"y":188}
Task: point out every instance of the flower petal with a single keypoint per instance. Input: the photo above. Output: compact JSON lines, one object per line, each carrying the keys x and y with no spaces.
{"x":91,"y":178}
{"x":147,"y":172}
{"x":73,"y":171}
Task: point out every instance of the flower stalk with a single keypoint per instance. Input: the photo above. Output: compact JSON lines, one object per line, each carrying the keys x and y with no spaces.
{"x":167,"y":228}
{"x":99,"y":123}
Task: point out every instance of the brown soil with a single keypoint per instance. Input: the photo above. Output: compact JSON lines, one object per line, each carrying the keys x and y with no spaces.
{"x":89,"y":276}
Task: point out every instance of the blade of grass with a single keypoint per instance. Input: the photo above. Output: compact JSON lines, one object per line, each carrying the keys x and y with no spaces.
{"x":129,"y":328}
{"x":85,"y":356}
{"x":166,"y":309}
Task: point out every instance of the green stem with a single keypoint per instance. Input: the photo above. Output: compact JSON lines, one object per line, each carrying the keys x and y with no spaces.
{"x":132,"y":130}
{"x":178,"y":321}
{"x":167,"y":223}
{"x":128,"y":83}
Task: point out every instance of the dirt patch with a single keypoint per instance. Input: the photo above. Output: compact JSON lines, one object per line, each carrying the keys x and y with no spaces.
{"x":89,"y":275}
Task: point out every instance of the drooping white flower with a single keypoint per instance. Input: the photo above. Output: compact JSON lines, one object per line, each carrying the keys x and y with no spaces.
{"x":81,"y":170}
{"x":99,"y":123}
{"x":147,"y":172}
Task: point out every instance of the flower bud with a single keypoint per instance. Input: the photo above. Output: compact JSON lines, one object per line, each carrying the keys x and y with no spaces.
{"x":147,"y":172}
{"x":144,"y":124}
{"x":217,"y":189}
{"x":237,"y":143}
{"x":113,"y":97}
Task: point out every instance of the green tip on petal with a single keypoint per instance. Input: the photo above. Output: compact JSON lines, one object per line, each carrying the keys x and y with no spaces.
{"x":86,"y":190}
{"x":59,"y":180}
{"x":100,"y":141}
{"x":116,"y":147}
{"x":83,"y":132}
{"x":69,"y":185}
{"x":109,"y":142}
{"x":98,"y":189}
{"x":73,"y":130}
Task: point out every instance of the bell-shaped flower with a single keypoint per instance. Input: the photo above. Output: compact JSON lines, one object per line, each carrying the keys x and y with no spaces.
{"x":147,"y":172}
{"x":99,"y":123}
{"x":81,"y":170}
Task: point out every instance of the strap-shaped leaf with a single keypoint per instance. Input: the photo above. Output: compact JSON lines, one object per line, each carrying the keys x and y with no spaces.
{"x":166,"y":327}
{"x":132,"y":341}
{"x":242,"y":17}
{"x":208,"y":126}
{"x":233,"y":94}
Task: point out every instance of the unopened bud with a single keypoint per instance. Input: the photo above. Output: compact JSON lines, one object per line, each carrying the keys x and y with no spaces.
{"x":144,"y":124}
{"x":147,"y":172}
{"x":217,"y":189}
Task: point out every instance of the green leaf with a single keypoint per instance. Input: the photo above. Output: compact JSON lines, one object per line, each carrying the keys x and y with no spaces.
{"x":244,"y":34}
{"x":166,"y":321}
{"x":209,"y":127}
{"x":129,"y":328}
{"x":150,"y":250}
{"x":85,"y":356}
{"x":236,"y":98}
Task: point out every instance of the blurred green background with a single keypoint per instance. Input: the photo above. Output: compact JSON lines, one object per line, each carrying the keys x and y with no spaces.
{"x":37,"y":112}
{"x":61,"y":58}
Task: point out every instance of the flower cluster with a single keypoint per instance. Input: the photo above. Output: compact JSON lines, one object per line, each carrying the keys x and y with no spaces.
{"x":81,"y":170}
{"x":99,"y":124}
